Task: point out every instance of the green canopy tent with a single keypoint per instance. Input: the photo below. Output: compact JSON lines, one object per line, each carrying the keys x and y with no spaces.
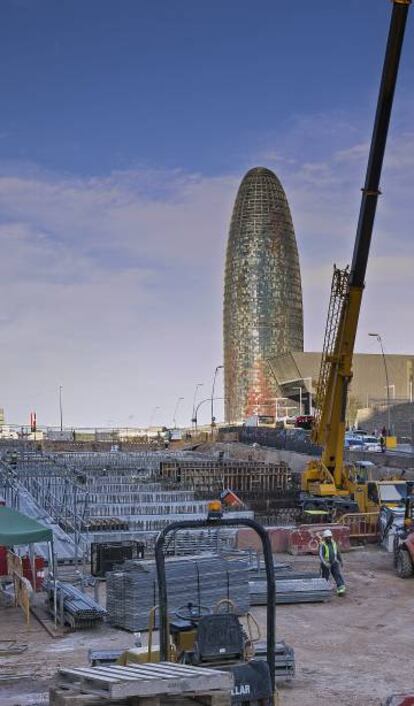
{"x":17,"y":529}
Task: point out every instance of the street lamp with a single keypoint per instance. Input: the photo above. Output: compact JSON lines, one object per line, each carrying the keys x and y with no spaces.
{"x":387,"y":382}
{"x":175,"y":412}
{"x":208,"y":399}
{"x":193,"y":418}
{"x":213,"y":419}
{"x":60,"y":408}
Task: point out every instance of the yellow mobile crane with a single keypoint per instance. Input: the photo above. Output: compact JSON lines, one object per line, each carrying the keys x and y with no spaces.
{"x":329,"y":478}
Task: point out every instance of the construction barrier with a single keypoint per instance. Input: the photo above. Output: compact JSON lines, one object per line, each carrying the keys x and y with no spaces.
{"x":39,"y":569}
{"x":362,"y":525}
{"x":22,"y":587}
{"x":305,"y":539}
{"x":249,"y":539}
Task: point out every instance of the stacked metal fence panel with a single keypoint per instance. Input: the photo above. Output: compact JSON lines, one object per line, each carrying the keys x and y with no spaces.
{"x":201,"y":541}
{"x":285,"y":666}
{"x":132,"y":591}
{"x":293,"y":590}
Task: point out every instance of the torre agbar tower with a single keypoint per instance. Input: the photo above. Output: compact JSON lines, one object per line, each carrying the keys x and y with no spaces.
{"x":263,"y":313}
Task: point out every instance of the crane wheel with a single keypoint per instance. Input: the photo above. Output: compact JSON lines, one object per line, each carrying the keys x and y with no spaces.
{"x":404,"y":564}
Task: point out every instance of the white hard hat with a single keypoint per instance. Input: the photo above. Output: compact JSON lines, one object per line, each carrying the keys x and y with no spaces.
{"x":327,"y":533}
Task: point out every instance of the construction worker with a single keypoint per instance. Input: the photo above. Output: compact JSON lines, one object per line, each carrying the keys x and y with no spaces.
{"x":331,"y":558}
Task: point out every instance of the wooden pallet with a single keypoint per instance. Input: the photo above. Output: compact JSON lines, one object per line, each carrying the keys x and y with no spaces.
{"x":64,"y":697}
{"x":146,"y":680}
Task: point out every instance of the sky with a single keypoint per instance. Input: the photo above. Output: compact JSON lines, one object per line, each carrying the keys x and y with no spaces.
{"x":125,"y":130}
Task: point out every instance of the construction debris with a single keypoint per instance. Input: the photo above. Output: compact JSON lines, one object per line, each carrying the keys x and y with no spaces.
{"x":10,"y":647}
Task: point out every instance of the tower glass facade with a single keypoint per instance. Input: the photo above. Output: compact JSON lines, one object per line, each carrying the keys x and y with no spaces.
{"x":263,"y":313}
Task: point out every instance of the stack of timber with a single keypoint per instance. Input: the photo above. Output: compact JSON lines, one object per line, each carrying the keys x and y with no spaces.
{"x":212,"y":475}
{"x":133,"y":590}
{"x":75,"y":608}
{"x":146,"y":685}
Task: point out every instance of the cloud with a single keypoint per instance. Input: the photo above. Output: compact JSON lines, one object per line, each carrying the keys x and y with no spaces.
{"x":130,"y":215}
{"x":324,"y":195}
{"x":112,"y":285}
{"x":357,"y":153}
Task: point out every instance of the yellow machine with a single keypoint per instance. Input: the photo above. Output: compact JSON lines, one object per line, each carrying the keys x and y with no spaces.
{"x":329,"y":477}
{"x":183,"y":635}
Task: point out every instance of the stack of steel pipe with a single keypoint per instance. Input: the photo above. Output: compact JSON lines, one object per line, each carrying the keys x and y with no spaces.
{"x":74,"y":607}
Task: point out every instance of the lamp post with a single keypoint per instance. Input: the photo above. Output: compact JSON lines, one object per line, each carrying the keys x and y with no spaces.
{"x":193,"y":417}
{"x":208,"y":399}
{"x":175,"y":412}
{"x":387,"y":382}
{"x":213,"y":419}
{"x":60,"y":408}
{"x":196,"y":411}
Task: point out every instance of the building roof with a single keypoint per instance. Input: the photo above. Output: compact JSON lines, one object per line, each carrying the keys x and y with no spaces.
{"x":368,"y":382}
{"x":16,"y":528}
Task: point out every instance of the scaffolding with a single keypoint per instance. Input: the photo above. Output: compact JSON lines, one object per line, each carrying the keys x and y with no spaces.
{"x":89,"y":497}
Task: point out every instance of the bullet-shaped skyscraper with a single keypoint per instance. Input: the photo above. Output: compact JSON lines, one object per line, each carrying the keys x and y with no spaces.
{"x":263,"y":314}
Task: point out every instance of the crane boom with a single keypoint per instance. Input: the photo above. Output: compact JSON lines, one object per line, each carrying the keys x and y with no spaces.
{"x":347,"y":288}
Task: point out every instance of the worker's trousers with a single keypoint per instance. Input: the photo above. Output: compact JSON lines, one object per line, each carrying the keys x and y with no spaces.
{"x":335,"y":571}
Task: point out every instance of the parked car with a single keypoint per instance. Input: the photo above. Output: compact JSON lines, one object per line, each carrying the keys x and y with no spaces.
{"x":372,"y":444}
{"x":362,"y":442}
{"x":354,"y":443}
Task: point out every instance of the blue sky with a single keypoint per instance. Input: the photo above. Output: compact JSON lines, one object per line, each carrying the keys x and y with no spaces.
{"x":124,"y":131}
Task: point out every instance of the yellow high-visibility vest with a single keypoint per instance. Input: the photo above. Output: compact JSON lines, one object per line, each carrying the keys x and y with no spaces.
{"x":325,"y":551}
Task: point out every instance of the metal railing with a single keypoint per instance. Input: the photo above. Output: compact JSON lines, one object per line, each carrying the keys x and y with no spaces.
{"x":362,"y":525}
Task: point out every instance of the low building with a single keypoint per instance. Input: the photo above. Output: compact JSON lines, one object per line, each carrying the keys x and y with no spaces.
{"x":297,"y":377}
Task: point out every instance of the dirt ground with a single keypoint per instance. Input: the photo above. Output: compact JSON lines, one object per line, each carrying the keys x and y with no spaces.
{"x":355,"y":650}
